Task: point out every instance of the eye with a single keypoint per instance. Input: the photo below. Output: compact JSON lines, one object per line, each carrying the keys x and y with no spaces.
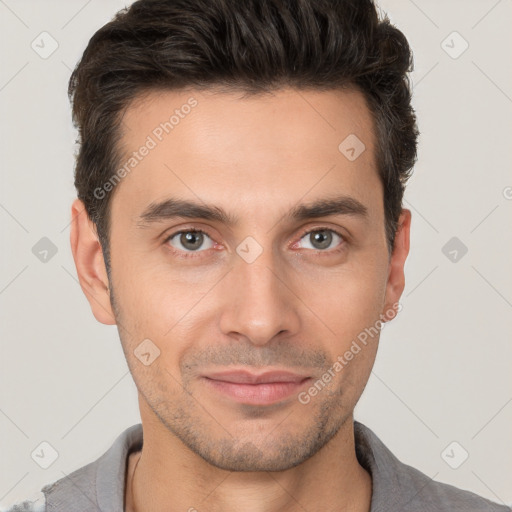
{"x":189,"y":240}
{"x":322,"y":239}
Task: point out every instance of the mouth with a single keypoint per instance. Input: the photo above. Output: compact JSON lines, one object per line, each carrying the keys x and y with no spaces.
{"x":256,"y":388}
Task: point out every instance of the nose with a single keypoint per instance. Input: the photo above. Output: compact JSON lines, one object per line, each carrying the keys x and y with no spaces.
{"x":259,"y":300}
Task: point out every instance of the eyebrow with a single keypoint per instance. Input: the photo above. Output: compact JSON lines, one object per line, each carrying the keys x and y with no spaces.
{"x":172,"y":208}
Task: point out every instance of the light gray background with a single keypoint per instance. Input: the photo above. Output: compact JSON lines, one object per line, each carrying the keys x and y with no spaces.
{"x":444,"y":365}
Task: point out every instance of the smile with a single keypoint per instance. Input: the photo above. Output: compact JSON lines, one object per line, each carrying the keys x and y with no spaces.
{"x":256,"y":389}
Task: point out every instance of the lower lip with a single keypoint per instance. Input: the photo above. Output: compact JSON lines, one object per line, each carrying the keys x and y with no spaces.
{"x":257,"y":394}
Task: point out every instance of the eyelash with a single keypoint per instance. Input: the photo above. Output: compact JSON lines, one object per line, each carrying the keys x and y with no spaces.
{"x":195,"y":254}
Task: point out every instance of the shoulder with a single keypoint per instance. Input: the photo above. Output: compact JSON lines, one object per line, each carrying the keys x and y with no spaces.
{"x":99,"y":485}
{"x":397,"y":486}
{"x":36,"y":503}
{"x":430,"y":495}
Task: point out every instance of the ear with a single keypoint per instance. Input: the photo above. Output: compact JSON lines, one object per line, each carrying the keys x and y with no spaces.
{"x":396,"y":277}
{"x":90,"y":264}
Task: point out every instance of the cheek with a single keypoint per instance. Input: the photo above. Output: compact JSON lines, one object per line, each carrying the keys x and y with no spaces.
{"x":155,"y":300}
{"x":168,"y":312}
{"x":347,"y":302}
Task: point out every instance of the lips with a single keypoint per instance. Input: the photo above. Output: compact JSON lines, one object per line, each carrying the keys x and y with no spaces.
{"x":256,"y":388}
{"x":244,"y":377}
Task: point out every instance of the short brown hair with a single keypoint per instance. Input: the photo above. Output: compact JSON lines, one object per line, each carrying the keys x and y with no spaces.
{"x":253,"y":46}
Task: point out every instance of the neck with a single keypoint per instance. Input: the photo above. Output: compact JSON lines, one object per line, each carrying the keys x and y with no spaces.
{"x":331,"y":479}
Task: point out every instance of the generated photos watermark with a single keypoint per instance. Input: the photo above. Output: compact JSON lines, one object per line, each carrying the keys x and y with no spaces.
{"x":355,"y":347}
{"x":157,"y":135}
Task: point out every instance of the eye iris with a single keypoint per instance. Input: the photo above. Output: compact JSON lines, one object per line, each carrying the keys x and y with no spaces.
{"x":193,"y":238}
{"x":323,"y":238}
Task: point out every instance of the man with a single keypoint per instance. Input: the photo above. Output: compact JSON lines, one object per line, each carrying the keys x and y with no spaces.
{"x":239,"y":218}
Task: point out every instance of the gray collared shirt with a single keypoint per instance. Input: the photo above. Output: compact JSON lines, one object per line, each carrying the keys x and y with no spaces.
{"x":396,"y":487}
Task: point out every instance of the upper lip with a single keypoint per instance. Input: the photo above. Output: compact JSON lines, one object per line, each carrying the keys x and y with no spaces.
{"x":246,"y":377}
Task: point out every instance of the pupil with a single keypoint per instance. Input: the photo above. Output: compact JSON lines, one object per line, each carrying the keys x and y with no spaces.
{"x":322,"y":238}
{"x":192,"y":240}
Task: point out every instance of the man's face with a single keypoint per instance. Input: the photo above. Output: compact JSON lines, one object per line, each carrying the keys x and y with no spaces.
{"x":267,"y":292}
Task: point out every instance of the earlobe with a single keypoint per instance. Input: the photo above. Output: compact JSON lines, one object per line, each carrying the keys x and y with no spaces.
{"x":396,"y":276}
{"x":90,"y":264}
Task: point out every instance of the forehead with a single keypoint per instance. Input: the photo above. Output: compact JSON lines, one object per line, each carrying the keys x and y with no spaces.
{"x":257,"y":151}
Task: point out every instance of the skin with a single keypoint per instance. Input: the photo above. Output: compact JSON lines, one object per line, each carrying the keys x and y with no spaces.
{"x":295,"y":307}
